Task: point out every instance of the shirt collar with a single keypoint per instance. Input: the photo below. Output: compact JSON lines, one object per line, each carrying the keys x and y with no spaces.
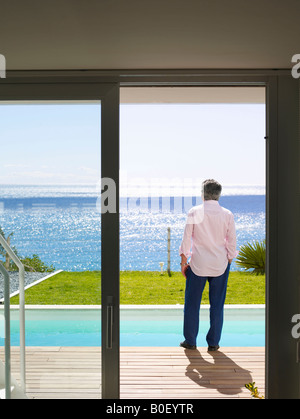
{"x":211,"y":202}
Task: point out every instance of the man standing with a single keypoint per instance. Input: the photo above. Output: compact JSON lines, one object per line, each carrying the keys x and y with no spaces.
{"x":211,"y":230}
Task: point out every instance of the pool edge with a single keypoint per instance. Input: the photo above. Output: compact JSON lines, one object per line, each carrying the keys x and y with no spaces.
{"x":129,"y":307}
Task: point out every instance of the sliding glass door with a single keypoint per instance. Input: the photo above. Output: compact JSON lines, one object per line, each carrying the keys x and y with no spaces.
{"x":59,"y":208}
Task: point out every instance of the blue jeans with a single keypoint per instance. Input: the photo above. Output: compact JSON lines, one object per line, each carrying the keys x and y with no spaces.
{"x":193,"y":294}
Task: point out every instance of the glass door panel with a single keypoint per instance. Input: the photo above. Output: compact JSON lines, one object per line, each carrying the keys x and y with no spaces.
{"x":50,"y":213}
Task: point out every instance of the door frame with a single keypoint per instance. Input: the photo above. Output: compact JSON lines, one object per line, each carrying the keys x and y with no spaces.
{"x":282,"y":301}
{"x":282,"y":369}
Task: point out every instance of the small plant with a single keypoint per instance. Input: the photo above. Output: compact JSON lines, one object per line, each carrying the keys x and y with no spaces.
{"x":253,"y":390}
{"x":253,"y":256}
{"x":34,"y":264}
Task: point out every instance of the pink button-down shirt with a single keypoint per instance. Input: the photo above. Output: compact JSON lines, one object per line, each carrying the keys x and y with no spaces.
{"x":211,"y":229}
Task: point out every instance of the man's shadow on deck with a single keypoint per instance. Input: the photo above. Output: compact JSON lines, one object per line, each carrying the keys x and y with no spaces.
{"x":220,"y":373}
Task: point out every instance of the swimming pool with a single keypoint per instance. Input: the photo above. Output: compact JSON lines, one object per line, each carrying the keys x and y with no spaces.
{"x":140,"y":326}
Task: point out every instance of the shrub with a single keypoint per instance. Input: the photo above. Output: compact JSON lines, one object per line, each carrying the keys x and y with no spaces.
{"x":34,"y":264}
{"x":253,"y":256}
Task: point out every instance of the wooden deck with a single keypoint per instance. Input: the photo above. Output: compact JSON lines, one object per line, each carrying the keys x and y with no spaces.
{"x":157,"y":373}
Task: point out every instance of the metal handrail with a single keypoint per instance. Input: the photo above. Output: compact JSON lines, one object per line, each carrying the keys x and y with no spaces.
{"x":20,"y":266}
{"x":7,"y":332}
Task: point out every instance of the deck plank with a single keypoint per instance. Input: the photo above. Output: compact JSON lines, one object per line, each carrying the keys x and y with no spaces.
{"x":145,"y":372}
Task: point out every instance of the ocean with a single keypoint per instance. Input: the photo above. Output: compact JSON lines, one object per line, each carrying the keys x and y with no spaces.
{"x":62,"y":224}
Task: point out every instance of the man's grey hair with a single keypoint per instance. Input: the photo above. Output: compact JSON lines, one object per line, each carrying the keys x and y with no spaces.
{"x":211,"y":190}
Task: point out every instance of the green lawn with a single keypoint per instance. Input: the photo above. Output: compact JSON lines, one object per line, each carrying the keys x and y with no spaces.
{"x":138,"y":287}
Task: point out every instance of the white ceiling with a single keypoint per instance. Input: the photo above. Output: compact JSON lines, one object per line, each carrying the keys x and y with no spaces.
{"x":149,"y":34}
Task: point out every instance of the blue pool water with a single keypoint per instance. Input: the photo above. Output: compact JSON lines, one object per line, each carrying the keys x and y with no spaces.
{"x":139,"y":327}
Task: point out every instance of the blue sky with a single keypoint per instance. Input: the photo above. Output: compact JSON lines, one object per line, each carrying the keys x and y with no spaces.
{"x":49,"y":144}
{"x":60,"y":144}
{"x":221,"y":141}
